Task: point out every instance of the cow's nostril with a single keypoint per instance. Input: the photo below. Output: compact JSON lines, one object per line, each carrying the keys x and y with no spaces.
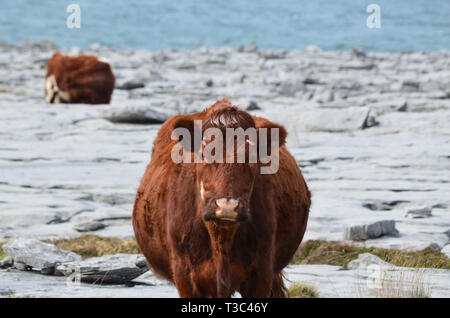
{"x":229,"y":204}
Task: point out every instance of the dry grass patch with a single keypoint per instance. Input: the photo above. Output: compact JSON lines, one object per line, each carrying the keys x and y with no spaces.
{"x":302,"y":290}
{"x":340,"y":253}
{"x":404,"y":284}
{"x":92,"y":245}
{"x":390,"y":283}
{"x":2,"y":254}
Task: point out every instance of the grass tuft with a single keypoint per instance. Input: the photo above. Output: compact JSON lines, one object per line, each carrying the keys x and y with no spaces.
{"x":340,"y":253}
{"x":407,"y":283}
{"x":302,"y":290}
{"x":310,"y":252}
{"x":2,"y":254}
{"x":92,"y":245}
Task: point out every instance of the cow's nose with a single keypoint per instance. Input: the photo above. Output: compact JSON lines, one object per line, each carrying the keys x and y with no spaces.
{"x":227,"y":203}
{"x":227,"y":208}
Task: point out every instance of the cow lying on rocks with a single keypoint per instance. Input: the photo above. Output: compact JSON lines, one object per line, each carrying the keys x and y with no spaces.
{"x":83,"y":79}
{"x":216,"y":228}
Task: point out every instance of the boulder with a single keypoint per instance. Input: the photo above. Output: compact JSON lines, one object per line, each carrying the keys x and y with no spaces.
{"x":89,"y":226}
{"x":410,"y":86}
{"x":447,"y":233}
{"x":419,"y":213}
{"x":403,"y":107}
{"x":366,"y":259}
{"x":371,"y":231}
{"x":273,"y":54}
{"x":42,"y":45}
{"x":356,"y":67}
{"x":251,"y":48}
{"x":252,"y":105}
{"x":434,"y":246}
{"x":24,"y":267}
{"x":383,"y":205}
{"x":446,"y":250}
{"x":108,"y":269}
{"x":136,"y":114}
{"x":37,"y":255}
{"x":128,"y":85}
{"x":6,"y":262}
{"x":358,"y":53}
{"x":290,"y":87}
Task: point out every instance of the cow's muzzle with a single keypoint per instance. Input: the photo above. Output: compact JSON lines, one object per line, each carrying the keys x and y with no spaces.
{"x":225,"y":211}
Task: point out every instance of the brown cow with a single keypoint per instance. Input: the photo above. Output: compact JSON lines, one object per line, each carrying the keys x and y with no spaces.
{"x":216,"y":228}
{"x":82,"y":79}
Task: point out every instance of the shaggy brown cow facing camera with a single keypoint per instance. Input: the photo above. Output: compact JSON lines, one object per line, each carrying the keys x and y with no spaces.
{"x":216,"y":228}
{"x":83,"y":79}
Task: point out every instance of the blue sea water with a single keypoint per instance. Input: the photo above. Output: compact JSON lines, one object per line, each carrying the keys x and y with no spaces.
{"x":272,"y":24}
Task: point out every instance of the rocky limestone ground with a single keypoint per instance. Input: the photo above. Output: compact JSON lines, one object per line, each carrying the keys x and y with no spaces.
{"x":368,"y":276}
{"x":370,"y":131}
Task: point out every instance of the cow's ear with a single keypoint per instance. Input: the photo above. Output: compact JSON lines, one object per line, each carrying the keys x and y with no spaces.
{"x":274,"y":131}
{"x":188,"y":123}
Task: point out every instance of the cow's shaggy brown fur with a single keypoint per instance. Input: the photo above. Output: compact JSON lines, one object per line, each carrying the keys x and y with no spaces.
{"x":81,"y":79}
{"x":204,"y":258}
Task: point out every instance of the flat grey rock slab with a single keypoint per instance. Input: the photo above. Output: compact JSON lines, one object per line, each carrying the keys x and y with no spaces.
{"x":371,"y":231}
{"x":14,"y":283}
{"x":107,"y":269}
{"x":324,"y":120}
{"x":446,"y":250}
{"x":128,"y":85}
{"x":136,"y":114}
{"x":47,"y":187}
{"x":330,"y":281}
{"x":6,"y":262}
{"x":37,"y":255}
{"x":89,"y":226}
{"x":419,"y":213}
{"x":366,"y":259}
{"x":386,"y":280}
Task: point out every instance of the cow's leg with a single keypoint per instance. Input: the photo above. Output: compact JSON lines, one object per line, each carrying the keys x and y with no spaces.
{"x":259,"y":284}
{"x":278,"y":288}
{"x":182,"y":281}
{"x":223,"y":277}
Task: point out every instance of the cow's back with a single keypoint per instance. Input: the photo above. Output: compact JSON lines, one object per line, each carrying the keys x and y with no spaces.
{"x":85,"y":78}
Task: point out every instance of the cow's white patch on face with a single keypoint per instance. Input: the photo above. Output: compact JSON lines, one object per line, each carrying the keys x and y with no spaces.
{"x":202,"y":191}
{"x":50,"y":84}
{"x":104,"y":60}
{"x":64,"y":96}
{"x":52,"y":91}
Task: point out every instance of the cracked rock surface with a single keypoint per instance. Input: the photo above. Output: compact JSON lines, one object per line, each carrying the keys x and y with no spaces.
{"x":369,"y":130}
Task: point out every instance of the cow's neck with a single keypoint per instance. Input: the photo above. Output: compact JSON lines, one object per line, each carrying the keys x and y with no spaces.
{"x":222,"y":239}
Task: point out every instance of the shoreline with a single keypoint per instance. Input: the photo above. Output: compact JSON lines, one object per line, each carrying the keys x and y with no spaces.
{"x":44,"y":44}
